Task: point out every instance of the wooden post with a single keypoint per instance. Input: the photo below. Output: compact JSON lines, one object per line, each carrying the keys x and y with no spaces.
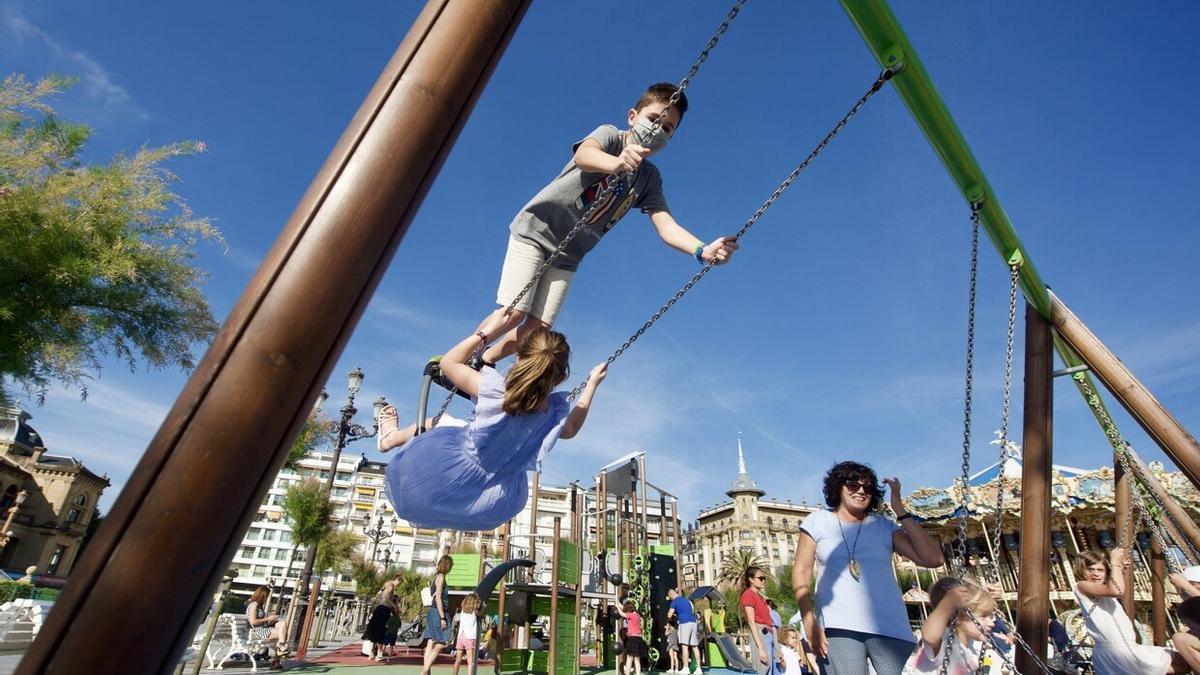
{"x":553,"y":637}
{"x":578,"y":505}
{"x":1158,"y":422}
{"x":308,"y":617}
{"x":1158,"y":593}
{"x":171,"y":533}
{"x":1124,"y":512}
{"x":1033,"y":596}
{"x":214,"y":614}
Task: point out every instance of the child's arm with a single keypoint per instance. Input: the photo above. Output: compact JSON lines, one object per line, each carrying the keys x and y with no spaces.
{"x":1181,"y":584}
{"x":674,"y":235}
{"x":454,"y":365}
{"x":579,"y":413}
{"x":935,"y":624}
{"x":590,"y":156}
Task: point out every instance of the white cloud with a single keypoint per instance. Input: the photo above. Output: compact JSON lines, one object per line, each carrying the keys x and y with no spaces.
{"x":97,"y":81}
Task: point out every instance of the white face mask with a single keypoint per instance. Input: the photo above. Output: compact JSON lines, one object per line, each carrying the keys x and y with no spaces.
{"x":639,"y":134}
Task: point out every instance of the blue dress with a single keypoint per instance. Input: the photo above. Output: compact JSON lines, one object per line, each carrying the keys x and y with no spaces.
{"x":474,"y":477}
{"x":433,"y":621}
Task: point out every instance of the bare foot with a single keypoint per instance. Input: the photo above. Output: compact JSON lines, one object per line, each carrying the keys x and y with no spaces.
{"x":390,"y":433}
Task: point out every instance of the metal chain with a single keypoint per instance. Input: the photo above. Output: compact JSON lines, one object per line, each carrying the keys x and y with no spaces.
{"x":1005,"y":408}
{"x":758,"y":213}
{"x":1122,"y":450}
{"x":960,"y":561}
{"x":602,"y":197}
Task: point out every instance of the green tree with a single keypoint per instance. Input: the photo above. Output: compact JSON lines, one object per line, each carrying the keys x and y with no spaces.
{"x":306,"y":508}
{"x":95,"y":260}
{"x":313,"y":434}
{"x":779,"y":589}
{"x":335,"y":550}
{"x":368,"y":580}
{"x":408,"y":592}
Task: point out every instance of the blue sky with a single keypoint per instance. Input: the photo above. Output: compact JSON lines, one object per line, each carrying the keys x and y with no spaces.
{"x":837,"y":332}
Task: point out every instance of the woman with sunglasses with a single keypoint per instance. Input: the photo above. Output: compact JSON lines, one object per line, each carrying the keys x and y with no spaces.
{"x":858,"y":613}
{"x":758,"y":618}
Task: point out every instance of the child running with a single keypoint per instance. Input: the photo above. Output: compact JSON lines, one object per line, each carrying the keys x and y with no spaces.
{"x":468,"y":633}
{"x":473,"y":477}
{"x":633,"y":646}
{"x":1117,"y":651}
{"x":607,"y":157}
{"x":948,"y":596}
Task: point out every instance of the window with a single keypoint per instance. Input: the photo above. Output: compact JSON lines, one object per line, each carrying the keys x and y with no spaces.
{"x":247,"y":552}
{"x":59,"y":552}
{"x":785,"y":523}
{"x":73,"y":516}
{"x":254,"y":533}
{"x":9,"y":498}
{"x":281,"y":554}
{"x":80,"y":500}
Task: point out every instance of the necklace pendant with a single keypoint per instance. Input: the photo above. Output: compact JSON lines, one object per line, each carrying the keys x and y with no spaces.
{"x":855,"y":570}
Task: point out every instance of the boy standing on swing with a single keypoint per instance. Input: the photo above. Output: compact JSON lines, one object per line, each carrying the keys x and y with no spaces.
{"x":606,"y":158}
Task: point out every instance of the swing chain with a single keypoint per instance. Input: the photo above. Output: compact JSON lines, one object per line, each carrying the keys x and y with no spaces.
{"x":1139,"y":493}
{"x":960,"y":561}
{"x":606,"y":192}
{"x":1005,"y":407}
{"x":758,"y":213}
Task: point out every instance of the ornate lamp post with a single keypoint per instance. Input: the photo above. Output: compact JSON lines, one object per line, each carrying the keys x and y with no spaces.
{"x":12,"y":512}
{"x":379,"y":533}
{"x":387,"y":559}
{"x":347,"y":432}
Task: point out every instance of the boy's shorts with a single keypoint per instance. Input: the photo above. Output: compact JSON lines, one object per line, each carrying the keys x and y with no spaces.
{"x":521,"y":262}
{"x":466,"y":644}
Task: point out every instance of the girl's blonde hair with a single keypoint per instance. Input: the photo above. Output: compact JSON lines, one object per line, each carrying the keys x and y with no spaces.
{"x":981,"y":603}
{"x":543,"y":358}
{"x":470,"y":604}
{"x":1088,"y":558}
{"x":785,"y":635}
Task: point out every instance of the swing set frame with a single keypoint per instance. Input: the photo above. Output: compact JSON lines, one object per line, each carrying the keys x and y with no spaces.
{"x":169,"y":537}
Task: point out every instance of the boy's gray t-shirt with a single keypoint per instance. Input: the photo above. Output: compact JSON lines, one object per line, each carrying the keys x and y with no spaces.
{"x":550,"y":215}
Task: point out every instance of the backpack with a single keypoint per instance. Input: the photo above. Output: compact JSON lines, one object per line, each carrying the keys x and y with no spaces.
{"x":427,"y":596}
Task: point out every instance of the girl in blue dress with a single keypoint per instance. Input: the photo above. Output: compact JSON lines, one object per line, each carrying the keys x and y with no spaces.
{"x":473,"y":476}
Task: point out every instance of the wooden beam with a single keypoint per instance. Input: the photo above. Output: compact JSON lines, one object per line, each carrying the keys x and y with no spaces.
{"x":173,"y":530}
{"x":1124,"y":513}
{"x":1158,"y":422}
{"x":1033,"y":594}
{"x":1158,"y":593}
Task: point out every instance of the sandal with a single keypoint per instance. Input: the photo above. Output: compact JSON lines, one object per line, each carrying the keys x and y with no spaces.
{"x":388,"y":413}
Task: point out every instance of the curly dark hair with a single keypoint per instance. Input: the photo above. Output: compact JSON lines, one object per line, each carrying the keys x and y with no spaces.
{"x":841,"y":473}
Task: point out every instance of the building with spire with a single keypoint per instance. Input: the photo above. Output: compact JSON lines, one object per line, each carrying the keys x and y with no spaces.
{"x":748,"y":522}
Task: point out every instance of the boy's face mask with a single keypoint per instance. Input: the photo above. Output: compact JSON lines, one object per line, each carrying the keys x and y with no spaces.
{"x":639,"y":134}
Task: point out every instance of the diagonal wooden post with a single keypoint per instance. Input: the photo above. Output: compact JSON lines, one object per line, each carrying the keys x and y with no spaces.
{"x":175,"y":526}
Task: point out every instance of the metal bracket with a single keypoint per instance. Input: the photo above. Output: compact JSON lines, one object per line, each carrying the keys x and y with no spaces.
{"x":893,"y":57}
{"x":975,"y":194}
{"x":1015,"y":259}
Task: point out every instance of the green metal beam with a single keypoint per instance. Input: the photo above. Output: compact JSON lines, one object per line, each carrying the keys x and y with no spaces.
{"x":886,"y":39}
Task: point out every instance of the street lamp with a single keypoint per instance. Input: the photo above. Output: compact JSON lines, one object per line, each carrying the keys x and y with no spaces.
{"x":379,"y":533}
{"x":387,"y":559}
{"x":12,"y":512}
{"x":347,"y":432}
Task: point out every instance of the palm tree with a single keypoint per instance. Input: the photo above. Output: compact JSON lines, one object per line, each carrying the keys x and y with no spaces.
{"x":408,"y":592}
{"x":779,"y":589}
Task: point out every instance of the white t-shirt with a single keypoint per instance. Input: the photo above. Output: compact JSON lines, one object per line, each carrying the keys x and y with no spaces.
{"x":871,"y":604}
{"x":468,"y":626}
{"x":791,"y":660}
{"x":963,"y":660}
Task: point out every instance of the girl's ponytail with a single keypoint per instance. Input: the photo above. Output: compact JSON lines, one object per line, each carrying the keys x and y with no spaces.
{"x":543,"y":358}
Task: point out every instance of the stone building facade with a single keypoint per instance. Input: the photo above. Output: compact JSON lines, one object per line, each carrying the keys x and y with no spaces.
{"x":748,"y":522}
{"x":60,"y":497}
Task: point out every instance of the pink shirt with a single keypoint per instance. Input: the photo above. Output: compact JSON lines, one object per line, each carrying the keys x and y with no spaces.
{"x":633,"y":624}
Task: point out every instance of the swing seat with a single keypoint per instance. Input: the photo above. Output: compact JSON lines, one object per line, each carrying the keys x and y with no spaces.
{"x":433,"y":375}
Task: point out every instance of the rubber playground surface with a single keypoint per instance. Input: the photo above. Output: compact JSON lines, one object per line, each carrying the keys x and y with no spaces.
{"x":348,"y":659}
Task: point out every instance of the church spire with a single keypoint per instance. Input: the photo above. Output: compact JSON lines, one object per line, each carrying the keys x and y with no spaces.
{"x":743,"y":484}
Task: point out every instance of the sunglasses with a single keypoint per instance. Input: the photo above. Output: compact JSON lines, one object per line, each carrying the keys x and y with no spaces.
{"x":760,"y":578}
{"x":856,"y":485}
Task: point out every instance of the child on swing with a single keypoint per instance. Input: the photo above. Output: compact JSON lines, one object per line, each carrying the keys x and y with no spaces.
{"x":1117,"y":651}
{"x":473,"y":476}
{"x":951,"y":599}
{"x":607,"y":157}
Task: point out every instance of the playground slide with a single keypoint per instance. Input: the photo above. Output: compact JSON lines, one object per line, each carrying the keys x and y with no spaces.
{"x":728,"y":652}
